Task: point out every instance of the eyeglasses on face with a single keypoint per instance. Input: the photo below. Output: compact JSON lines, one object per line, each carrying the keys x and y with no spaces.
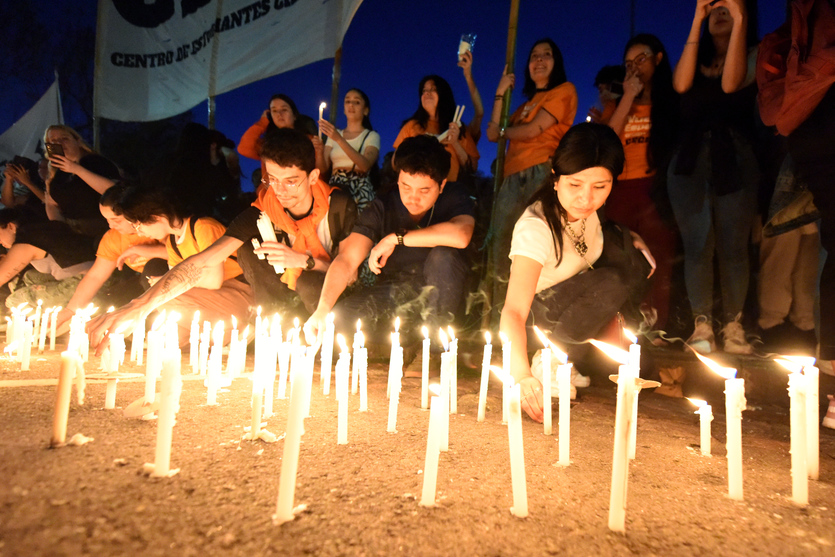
{"x":637,"y":61}
{"x":289,"y":185}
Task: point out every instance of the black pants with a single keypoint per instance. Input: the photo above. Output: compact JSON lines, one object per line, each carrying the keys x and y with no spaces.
{"x":430,"y":295}
{"x":812,"y":146}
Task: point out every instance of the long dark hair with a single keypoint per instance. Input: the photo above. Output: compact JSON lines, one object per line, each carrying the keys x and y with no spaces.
{"x":446,"y":105}
{"x":281,"y":96}
{"x":142,"y":204}
{"x":366,"y":118}
{"x":665,"y":103}
{"x":557,"y":76}
{"x":707,"y":50}
{"x":583,"y":146}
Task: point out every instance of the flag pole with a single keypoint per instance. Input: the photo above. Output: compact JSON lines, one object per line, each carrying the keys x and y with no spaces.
{"x":510,"y":60}
{"x":97,"y":77}
{"x":337,"y":75}
{"x":212,"y":112}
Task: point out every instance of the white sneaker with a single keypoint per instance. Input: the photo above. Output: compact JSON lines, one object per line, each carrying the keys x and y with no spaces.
{"x":734,"y":335}
{"x":536,"y":371}
{"x":829,"y":419}
{"x":702,"y":340}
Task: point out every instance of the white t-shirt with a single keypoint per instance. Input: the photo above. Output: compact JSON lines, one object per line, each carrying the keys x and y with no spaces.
{"x":338,"y":157}
{"x":532,"y":238}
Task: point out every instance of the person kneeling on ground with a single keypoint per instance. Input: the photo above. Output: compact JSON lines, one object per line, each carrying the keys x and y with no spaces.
{"x":570,"y":274}
{"x":414,"y":238}
{"x":309,"y":220}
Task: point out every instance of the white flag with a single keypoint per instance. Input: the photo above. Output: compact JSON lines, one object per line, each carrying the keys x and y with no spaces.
{"x":158,"y":59}
{"x":26,"y":134}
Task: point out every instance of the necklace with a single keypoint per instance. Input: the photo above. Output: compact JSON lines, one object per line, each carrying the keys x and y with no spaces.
{"x":579,"y":240}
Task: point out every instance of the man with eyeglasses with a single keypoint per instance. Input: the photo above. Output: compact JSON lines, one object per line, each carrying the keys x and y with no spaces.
{"x":415,"y":239}
{"x":309,"y":218}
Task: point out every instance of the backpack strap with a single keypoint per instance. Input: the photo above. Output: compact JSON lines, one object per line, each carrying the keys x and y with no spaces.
{"x":173,"y":239}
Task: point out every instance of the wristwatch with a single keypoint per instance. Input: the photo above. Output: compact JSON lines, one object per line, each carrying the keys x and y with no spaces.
{"x":310,"y":263}
{"x":399,"y":234}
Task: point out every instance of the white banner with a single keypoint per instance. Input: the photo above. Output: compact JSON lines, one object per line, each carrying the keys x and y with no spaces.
{"x":155,"y":59}
{"x":25,"y":135}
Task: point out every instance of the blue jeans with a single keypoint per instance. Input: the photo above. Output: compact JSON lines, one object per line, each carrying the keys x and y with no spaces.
{"x":717,"y":225}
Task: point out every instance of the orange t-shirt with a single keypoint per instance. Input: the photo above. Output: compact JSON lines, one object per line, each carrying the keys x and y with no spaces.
{"x":206,"y":231}
{"x":561,"y":103}
{"x":635,"y":139}
{"x":113,"y":244}
{"x":413,"y":129}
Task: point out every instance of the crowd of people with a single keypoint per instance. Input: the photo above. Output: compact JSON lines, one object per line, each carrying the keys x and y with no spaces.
{"x":588,"y":223}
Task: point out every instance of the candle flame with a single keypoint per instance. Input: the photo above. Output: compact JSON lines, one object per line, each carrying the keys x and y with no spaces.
{"x":341,"y":341}
{"x":397,"y":324}
{"x":359,"y":325}
{"x":158,"y":321}
{"x":618,"y":355}
{"x":444,"y":339}
{"x":541,"y":336}
{"x":296,"y":322}
{"x":805,"y":361}
{"x":503,"y":337}
{"x":196,"y":316}
{"x":451,"y":334}
{"x":234,"y":322}
{"x":246,"y":332}
{"x":487,"y":337}
{"x":258,"y":311}
{"x":323,"y":105}
{"x":40,"y":303}
{"x":111,"y":309}
{"x":793,"y":367}
{"x":697,"y":402}
{"x":505,"y":378}
{"x":425,"y":331}
{"x":630,"y":335}
{"x":726,"y":372}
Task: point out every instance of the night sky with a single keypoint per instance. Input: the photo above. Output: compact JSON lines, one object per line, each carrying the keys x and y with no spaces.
{"x":391,"y":44}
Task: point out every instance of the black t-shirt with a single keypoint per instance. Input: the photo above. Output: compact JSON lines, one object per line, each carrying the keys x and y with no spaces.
{"x":56,"y":238}
{"x":75,"y":198}
{"x":387,"y":214}
{"x":341,"y":218}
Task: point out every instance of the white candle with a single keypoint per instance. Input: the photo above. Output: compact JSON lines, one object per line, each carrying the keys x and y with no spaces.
{"x":620,"y":456}
{"x":363,"y":372}
{"x":453,"y":375}
{"x":545,"y":358}
{"x":812,"y":421}
{"x":170,"y":389}
{"x":354,"y":362}
{"x":327,"y":355}
{"x":485,"y":376}
{"x":283,"y":367}
{"x":517,"y":454}
{"x":321,"y":111}
{"x":137,"y":343}
{"x":205,"y":343}
{"x":62,"y":399}
{"x":705,"y":412}
{"x":424,"y":371}
{"x":635,"y":371}
{"x":393,"y":360}
{"x":110,"y":394}
{"x":42,"y":329}
{"x":797,"y":413}
{"x":445,"y":371}
{"x":36,"y":331}
{"x":213,"y":375}
{"x":290,"y":455}
{"x":564,"y":382}
{"x":26,"y":347}
{"x":53,"y":323}
{"x":430,"y":467}
{"x":342,"y":372}
{"x":395,"y":378}
{"x":506,"y":372}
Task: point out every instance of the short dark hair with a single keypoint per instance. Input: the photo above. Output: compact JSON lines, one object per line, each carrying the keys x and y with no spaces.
{"x":143,"y":204}
{"x":286,"y":148}
{"x":423,"y":154}
{"x":10,"y":215}
{"x":112,"y":196}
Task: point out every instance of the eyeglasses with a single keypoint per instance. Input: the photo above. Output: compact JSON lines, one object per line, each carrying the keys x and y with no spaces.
{"x":637,"y":61}
{"x":135,"y":226}
{"x":289,"y":185}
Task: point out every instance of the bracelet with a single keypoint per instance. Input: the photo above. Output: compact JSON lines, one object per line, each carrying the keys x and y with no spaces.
{"x":502,"y":132}
{"x":499,"y":97}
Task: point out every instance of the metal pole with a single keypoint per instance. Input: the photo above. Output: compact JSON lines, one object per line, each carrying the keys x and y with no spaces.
{"x":510,"y":59}
{"x":337,"y":75}
{"x":97,"y":77}
{"x":213,"y":70}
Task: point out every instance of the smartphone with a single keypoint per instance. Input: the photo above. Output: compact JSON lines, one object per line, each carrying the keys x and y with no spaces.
{"x":53,"y":149}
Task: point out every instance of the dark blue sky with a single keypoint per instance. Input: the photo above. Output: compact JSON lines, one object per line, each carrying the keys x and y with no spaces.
{"x":391,"y":44}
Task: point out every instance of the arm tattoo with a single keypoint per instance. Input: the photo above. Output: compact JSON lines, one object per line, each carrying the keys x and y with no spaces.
{"x":180,"y":279}
{"x":11,"y":273}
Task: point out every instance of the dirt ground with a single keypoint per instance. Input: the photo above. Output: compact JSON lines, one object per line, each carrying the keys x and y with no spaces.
{"x":362,"y":498}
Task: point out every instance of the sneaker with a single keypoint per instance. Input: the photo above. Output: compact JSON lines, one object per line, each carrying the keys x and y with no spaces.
{"x":536,"y":371}
{"x":829,"y":419}
{"x":702,"y":339}
{"x":734,"y":335}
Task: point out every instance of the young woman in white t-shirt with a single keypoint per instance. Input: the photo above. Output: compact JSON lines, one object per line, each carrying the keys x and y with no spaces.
{"x":351,"y":153}
{"x":560,"y":276}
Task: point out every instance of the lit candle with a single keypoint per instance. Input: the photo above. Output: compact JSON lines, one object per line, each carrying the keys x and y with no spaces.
{"x":812,"y":423}
{"x":327,"y":355}
{"x":342,"y":372}
{"x":283,"y":367}
{"x":393,"y":360}
{"x":485,"y":376}
{"x":26,"y":347}
{"x":424,"y":372}
{"x":363,"y":372}
{"x":515,"y":445}
{"x":42,"y":329}
{"x":545,"y":358}
{"x":205,"y":344}
{"x":564,"y":382}
{"x":445,"y":384}
{"x":137,"y":343}
{"x":506,"y":372}
{"x":734,"y":405}
{"x":355,"y":361}
{"x":321,"y":111}
{"x":620,"y":456}
{"x":395,"y":377}
{"x":797,"y":418}
{"x":635,"y":370}
{"x":62,"y":399}
{"x":53,"y":323}
{"x":705,"y":412}
{"x":36,"y":332}
{"x":290,"y":455}
{"x":170,"y":390}
{"x":453,"y":374}
{"x":430,"y":467}
{"x":214,"y":365}
{"x":194,"y":343}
